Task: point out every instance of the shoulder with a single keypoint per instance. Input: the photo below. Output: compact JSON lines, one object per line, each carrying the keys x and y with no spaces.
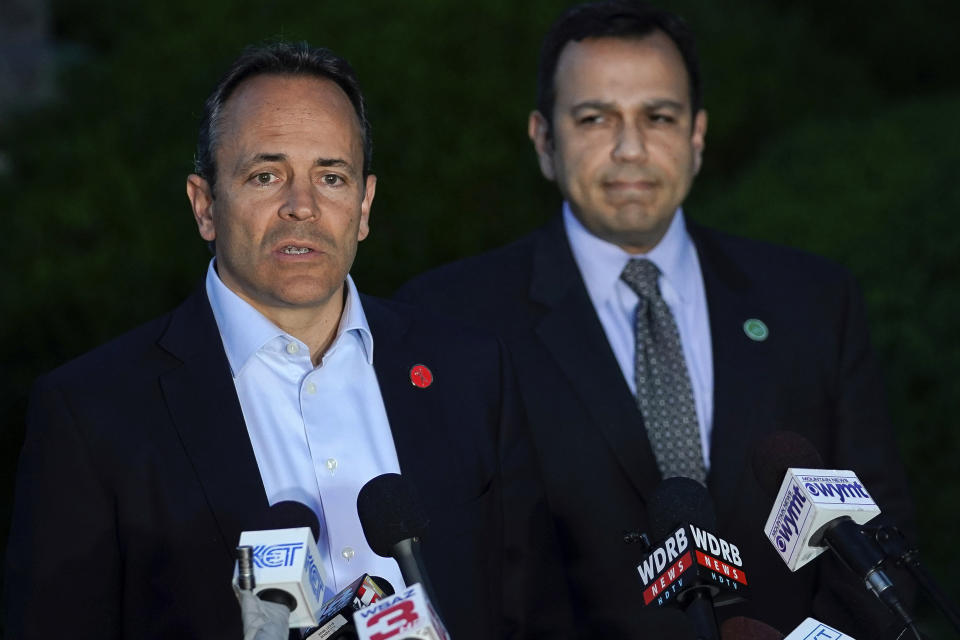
{"x":489,"y":288}
{"x":410,"y":322}
{"x":763,"y":264}
{"x":144,"y":352}
{"x":115,"y":360}
{"x":491,"y":268}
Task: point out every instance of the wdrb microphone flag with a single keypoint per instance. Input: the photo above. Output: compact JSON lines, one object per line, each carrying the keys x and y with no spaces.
{"x":690,"y":557}
{"x":407,"y":614}
{"x":808,"y":500}
{"x":287,"y":560}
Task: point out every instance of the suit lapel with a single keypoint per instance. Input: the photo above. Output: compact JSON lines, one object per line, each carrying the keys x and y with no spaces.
{"x":206,"y":414}
{"x":739,"y":369}
{"x":415,"y":435}
{"x":572,"y":333}
{"x":392,"y":364}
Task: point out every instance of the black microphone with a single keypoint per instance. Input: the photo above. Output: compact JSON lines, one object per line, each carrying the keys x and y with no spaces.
{"x":393,"y":521}
{"x":691,"y":567}
{"x":817,"y":509}
{"x":743,"y":628}
{"x":287,"y":514}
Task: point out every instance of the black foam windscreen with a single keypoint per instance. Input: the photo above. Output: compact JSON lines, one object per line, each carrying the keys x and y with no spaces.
{"x":776,"y":453}
{"x":677,"y":502}
{"x":741,"y":628}
{"x":288,"y":514}
{"x":390,"y":511}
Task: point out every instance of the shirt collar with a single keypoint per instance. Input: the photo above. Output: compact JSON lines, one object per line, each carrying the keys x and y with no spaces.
{"x":354,"y":320}
{"x":245,"y":330}
{"x":602,"y":262}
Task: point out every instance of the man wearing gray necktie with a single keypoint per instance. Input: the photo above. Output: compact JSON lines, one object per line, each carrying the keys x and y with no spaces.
{"x":664,"y":394}
{"x":649,"y":346}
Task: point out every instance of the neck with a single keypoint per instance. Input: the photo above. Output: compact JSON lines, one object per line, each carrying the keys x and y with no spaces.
{"x":314,"y":326}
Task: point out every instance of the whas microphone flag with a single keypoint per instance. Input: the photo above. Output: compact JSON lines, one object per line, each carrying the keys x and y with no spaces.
{"x":407,"y":614}
{"x":689,"y":557}
{"x":808,"y":500}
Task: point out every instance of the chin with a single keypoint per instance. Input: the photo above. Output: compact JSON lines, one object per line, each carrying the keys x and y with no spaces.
{"x":306,"y":294}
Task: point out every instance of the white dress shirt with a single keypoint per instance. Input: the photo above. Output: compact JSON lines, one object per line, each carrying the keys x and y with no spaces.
{"x":681,"y":285}
{"x":318,"y":433}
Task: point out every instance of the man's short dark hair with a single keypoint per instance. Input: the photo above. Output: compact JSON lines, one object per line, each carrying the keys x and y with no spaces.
{"x":612,"y":19}
{"x":280,"y":58}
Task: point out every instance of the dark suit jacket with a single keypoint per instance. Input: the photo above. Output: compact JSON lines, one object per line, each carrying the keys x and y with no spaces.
{"x":814,"y":375}
{"x":137,"y":477}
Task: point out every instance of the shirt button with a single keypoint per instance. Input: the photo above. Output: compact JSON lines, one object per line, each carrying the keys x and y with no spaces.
{"x":293,"y":348}
{"x":332,"y":465}
{"x":311,"y":388}
{"x":348,"y":553}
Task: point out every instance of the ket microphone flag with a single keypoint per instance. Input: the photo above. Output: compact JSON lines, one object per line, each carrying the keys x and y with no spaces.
{"x":287,"y":569}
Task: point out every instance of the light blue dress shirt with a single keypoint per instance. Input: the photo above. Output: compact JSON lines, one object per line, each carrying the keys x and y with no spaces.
{"x":318,"y":433}
{"x":681,"y":285}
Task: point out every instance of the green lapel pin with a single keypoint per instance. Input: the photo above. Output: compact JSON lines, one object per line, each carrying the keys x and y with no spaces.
{"x":756,"y":330}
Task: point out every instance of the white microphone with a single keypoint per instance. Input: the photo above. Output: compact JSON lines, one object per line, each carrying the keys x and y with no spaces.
{"x":812,"y":629}
{"x":286,"y":570}
{"x":818,"y":509}
{"x":810,"y":502}
{"x":408,"y":614}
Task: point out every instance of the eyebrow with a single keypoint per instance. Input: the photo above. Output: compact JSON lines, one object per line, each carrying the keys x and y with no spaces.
{"x":282,"y":157}
{"x":600,"y":105}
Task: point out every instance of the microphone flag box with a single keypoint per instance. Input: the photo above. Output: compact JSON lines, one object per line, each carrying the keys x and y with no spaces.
{"x":689,"y":557}
{"x":336,"y":615}
{"x":808,"y":500}
{"x":287,"y":560}
{"x":408,"y":612}
{"x":811,"y":629}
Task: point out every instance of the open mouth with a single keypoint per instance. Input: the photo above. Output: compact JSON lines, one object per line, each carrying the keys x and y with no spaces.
{"x":295,"y":251}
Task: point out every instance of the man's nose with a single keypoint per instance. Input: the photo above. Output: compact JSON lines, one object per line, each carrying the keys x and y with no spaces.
{"x":630,"y":144}
{"x":301,"y":201}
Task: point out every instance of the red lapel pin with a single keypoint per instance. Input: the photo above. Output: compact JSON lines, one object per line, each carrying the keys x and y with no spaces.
{"x":421,"y":376}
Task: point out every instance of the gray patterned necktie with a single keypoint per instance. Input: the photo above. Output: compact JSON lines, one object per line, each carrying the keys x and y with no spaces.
{"x":664,"y":393}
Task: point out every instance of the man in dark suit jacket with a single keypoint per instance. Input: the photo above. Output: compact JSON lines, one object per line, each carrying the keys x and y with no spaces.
{"x":620,"y":129}
{"x":138,"y":474}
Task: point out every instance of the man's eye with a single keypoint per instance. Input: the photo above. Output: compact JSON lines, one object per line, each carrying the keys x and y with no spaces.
{"x":663,"y":118}
{"x":263,"y":179}
{"x":594,"y":118}
{"x":332,"y":180}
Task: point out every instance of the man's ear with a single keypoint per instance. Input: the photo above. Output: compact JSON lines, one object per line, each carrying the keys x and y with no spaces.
{"x":539,"y":131}
{"x":699,"y":139}
{"x":370,"y":189}
{"x":201,"y":199}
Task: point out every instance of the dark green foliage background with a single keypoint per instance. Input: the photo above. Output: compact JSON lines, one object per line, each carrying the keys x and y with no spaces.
{"x":832,"y":128}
